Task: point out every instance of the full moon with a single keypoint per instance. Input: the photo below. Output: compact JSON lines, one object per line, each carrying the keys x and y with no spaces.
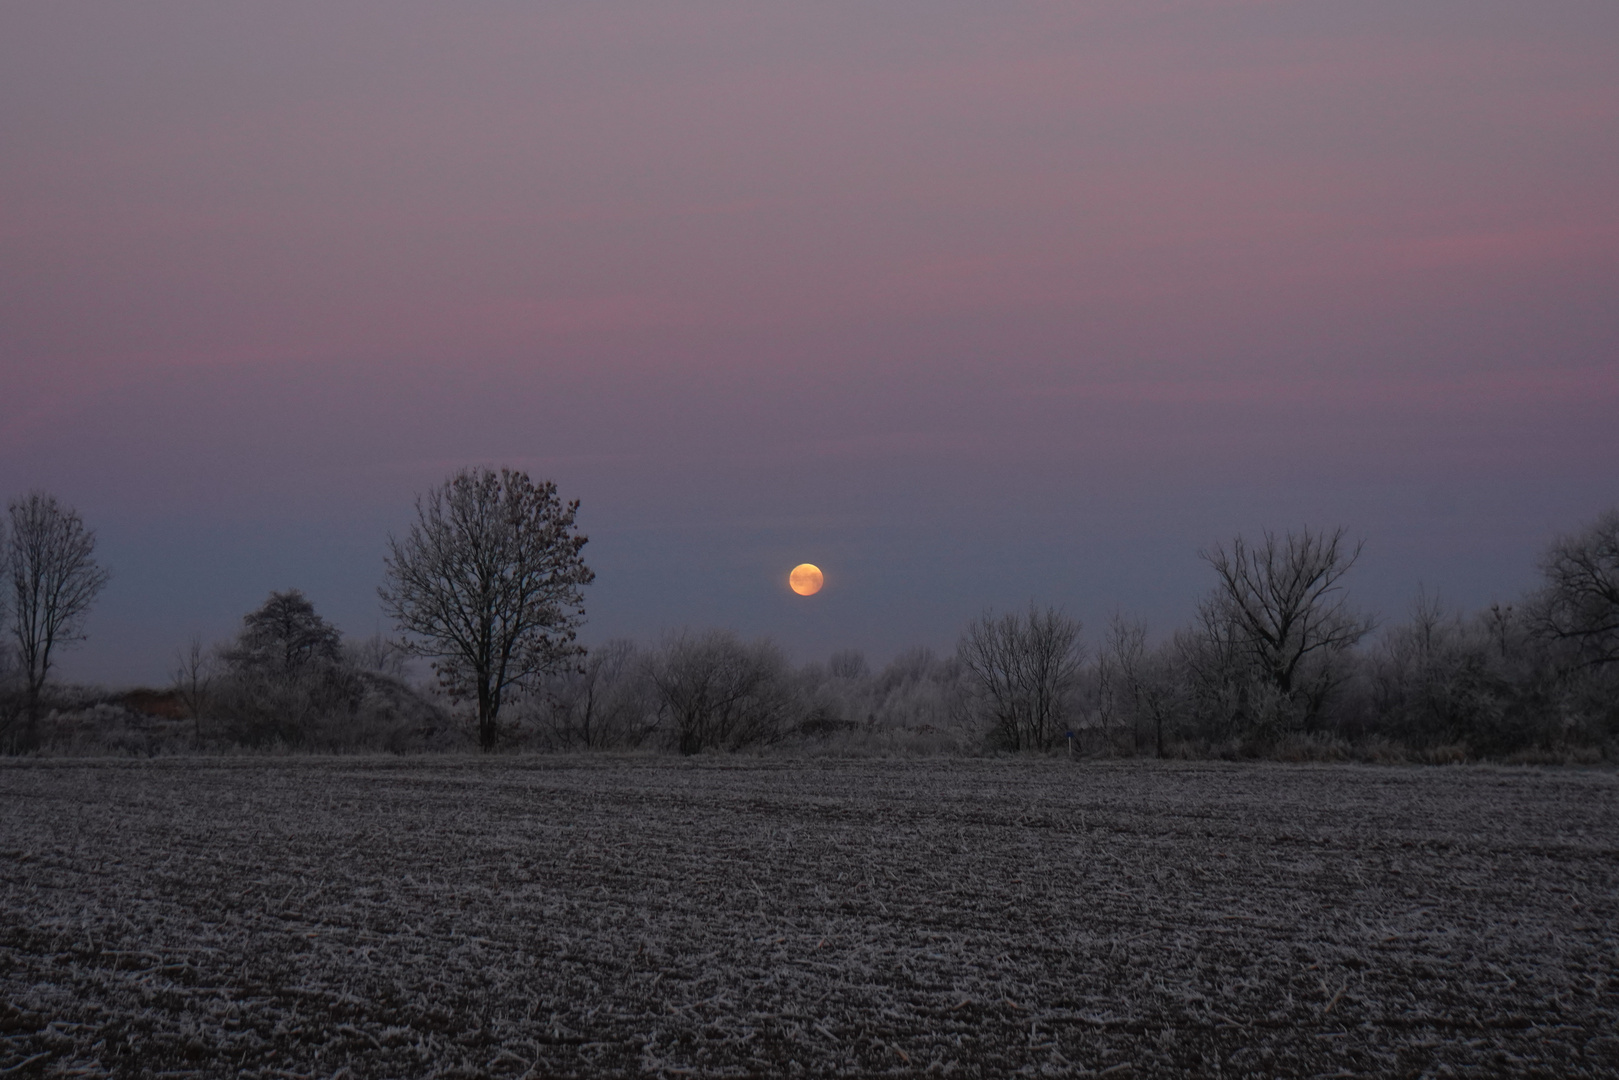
{"x":805,"y":580}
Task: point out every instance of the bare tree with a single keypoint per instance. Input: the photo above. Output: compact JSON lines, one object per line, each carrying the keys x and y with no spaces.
{"x":8,"y":650}
{"x":917,"y":690}
{"x":848,"y":664}
{"x":603,"y":702}
{"x":1216,"y":673}
{"x":54,"y":580}
{"x":1579,"y":605}
{"x":838,"y":696}
{"x":488,"y":584}
{"x":1022,"y":670}
{"x":1283,"y":601}
{"x":719,"y":692}
{"x":1135,"y":684}
{"x":378,"y":654}
{"x":193,"y":678}
{"x":1436,"y":679}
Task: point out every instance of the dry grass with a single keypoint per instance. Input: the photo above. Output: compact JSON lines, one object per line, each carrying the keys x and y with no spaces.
{"x":590,"y":917}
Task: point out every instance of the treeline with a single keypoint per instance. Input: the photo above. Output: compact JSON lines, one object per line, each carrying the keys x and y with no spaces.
{"x":1277,"y":662}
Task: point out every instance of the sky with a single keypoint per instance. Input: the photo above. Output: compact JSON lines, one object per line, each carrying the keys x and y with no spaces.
{"x":972,"y":305}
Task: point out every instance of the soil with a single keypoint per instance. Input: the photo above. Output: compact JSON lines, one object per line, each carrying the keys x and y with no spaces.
{"x":552,"y":917}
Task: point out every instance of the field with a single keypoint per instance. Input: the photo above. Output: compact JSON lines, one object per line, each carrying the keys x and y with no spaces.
{"x":601,"y":917}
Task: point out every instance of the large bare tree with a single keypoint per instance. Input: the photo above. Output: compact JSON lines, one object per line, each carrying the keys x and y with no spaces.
{"x":1282,"y":600}
{"x":54,"y":580}
{"x":488,"y":583}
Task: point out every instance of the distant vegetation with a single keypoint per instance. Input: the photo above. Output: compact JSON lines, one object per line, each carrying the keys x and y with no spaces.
{"x":487,"y":584}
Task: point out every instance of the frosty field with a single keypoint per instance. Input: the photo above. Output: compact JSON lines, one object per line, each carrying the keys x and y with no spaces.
{"x":596,"y":916}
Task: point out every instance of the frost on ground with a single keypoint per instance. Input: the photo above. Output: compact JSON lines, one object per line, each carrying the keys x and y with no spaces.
{"x":600,"y":917}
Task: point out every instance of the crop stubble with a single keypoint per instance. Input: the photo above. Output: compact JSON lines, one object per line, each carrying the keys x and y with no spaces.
{"x":601,"y":916}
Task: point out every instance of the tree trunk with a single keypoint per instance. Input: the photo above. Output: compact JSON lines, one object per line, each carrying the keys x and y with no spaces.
{"x":486,"y":717}
{"x":30,"y":731}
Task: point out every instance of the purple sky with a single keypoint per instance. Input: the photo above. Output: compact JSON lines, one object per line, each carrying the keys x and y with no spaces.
{"x":967,"y":303}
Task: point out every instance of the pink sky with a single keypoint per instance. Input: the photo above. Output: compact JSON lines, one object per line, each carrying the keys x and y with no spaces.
{"x":967,"y":303}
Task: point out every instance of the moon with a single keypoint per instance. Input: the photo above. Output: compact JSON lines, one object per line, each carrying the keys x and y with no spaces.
{"x":806,"y":579}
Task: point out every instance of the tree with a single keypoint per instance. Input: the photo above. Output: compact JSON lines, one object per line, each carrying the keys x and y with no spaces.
{"x":1579,"y":605}
{"x":286,"y":674}
{"x":603,"y":702}
{"x":379,"y":654}
{"x":54,"y":581}
{"x":1022,"y":670}
{"x":488,"y":584}
{"x":285,"y":639}
{"x":193,"y":678}
{"x":720,"y":693}
{"x":1215,"y":673}
{"x":1135,"y":683}
{"x":1441,"y":680}
{"x":848,"y":664}
{"x":1282,"y":602}
{"x":917,"y":689}
{"x":8,"y":652}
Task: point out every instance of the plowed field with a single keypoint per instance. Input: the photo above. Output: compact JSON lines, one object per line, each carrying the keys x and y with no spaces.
{"x":604,"y":917}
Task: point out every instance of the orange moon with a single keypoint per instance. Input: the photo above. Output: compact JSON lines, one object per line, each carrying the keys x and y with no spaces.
{"x":806,"y":579}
